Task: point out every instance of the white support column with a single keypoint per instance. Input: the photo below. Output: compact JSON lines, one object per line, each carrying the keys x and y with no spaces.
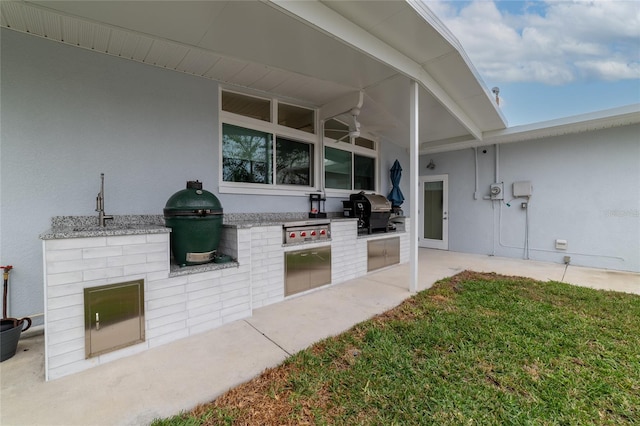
{"x":414,"y":124}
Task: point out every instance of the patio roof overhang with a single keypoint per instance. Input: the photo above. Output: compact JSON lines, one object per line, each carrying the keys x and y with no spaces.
{"x":615,"y":117}
{"x":316,"y":52}
{"x":416,"y":84}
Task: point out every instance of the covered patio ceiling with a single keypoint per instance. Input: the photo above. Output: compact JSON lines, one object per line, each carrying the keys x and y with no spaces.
{"x":314,"y":52}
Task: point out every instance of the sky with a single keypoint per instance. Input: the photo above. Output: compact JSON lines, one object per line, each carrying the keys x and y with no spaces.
{"x":550,"y":59}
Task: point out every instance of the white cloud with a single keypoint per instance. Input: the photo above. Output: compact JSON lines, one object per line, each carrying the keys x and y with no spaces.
{"x":610,"y":69}
{"x":555,"y":42}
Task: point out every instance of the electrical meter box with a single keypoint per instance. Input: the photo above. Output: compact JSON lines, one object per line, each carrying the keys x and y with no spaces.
{"x":522,"y":189}
{"x":497,"y":191}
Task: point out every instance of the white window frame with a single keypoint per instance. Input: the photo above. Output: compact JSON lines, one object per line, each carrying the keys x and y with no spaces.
{"x":276,"y":131}
{"x":350,"y":146}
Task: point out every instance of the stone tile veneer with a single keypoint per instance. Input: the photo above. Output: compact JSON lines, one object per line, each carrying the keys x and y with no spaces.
{"x":176,"y":305}
{"x":267,"y":265}
{"x":347,"y":259}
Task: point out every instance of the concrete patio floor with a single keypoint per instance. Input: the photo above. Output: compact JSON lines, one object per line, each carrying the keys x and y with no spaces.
{"x":167,"y":379}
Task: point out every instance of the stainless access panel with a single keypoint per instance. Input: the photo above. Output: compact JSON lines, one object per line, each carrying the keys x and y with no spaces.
{"x":392,"y":252}
{"x":375,"y":254}
{"x":382,"y":253}
{"x":114,"y":317}
{"x":307,"y":269}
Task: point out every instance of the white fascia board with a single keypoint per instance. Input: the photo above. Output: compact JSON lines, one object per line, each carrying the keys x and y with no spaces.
{"x":337,"y":26}
{"x":423,"y":10}
{"x":616,"y":117}
{"x":605,"y":119}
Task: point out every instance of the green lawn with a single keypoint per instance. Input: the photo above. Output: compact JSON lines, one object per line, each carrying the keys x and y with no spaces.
{"x":476,"y":349}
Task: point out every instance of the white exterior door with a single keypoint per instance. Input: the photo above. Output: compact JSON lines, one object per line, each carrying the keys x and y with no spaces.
{"x":434,"y":212}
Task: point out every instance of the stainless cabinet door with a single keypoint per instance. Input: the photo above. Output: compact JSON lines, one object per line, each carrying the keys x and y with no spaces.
{"x":375,"y":255}
{"x":320,"y":270}
{"x":306,"y":269}
{"x":392,"y":248}
{"x":383,"y":253}
{"x":114,"y":317}
{"x":296,"y":272}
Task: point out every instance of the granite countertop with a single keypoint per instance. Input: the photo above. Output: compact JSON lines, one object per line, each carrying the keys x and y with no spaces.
{"x":250,"y":223}
{"x":176,"y":270}
{"x":107,"y":231}
{"x":87,"y":226}
{"x":249,"y":220}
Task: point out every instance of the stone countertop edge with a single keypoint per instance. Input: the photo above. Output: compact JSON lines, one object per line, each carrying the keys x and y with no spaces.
{"x":278,"y":222}
{"x":65,"y":233}
{"x":64,"y":227}
{"x":176,"y":270}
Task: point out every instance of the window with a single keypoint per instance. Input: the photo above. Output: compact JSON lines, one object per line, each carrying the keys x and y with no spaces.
{"x":246,"y":155}
{"x":365,"y":143}
{"x":294,"y":162}
{"x":339,"y":132}
{"x":267,"y":146}
{"x":349,"y":163}
{"x":340,"y":166}
{"x":337,"y":168}
{"x":271,"y":147}
{"x":335,"y":129}
{"x":296,"y":118}
{"x":365,"y":172}
{"x":248,"y":106}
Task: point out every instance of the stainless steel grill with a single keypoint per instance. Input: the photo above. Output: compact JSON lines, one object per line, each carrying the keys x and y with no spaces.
{"x":372,"y":210}
{"x":306,"y":231}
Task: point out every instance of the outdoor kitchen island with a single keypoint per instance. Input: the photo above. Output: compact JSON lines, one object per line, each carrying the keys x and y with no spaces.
{"x":176,"y":302}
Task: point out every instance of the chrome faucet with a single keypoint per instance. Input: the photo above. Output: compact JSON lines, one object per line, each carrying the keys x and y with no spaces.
{"x":100,"y":204}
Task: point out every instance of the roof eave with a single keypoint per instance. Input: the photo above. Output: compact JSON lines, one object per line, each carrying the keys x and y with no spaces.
{"x":615,"y":117}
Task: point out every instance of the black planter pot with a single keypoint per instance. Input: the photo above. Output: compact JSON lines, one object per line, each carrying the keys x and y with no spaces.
{"x":10,"y":331}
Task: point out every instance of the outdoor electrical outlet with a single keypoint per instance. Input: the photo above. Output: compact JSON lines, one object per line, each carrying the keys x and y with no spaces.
{"x":567,"y":260}
{"x":496,"y":191}
{"x":523,"y":205}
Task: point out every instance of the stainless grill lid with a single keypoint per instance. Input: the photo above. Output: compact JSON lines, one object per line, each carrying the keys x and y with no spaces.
{"x":379,"y":203}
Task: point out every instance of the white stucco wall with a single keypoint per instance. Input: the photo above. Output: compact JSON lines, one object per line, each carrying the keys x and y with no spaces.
{"x":585,"y":191}
{"x":68,"y":115}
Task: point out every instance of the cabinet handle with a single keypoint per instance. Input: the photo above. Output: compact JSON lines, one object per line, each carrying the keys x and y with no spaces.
{"x":97,"y":321}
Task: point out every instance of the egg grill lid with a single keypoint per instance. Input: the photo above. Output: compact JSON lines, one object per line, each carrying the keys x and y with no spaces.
{"x":193,"y":201}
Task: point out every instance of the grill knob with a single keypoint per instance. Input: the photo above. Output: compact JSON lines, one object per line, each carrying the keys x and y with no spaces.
{"x":292,"y":234}
{"x":323,"y":232}
{"x":313,"y":233}
{"x":303,"y":233}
